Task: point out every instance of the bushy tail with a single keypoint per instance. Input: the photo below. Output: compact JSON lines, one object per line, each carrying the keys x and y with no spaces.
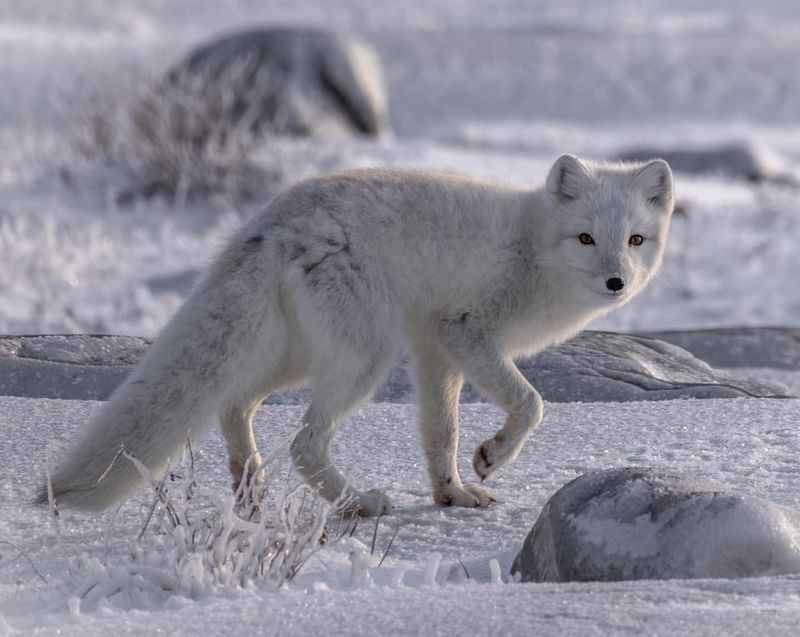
{"x":173,"y":394}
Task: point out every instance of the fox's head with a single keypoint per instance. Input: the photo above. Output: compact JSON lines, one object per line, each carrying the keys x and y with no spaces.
{"x":607,"y":224}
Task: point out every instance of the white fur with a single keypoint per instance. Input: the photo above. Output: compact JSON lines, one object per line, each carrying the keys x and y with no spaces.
{"x":338,"y":275}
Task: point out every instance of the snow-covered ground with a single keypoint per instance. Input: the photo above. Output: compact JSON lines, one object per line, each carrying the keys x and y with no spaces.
{"x":752,"y":445}
{"x":495,"y":88}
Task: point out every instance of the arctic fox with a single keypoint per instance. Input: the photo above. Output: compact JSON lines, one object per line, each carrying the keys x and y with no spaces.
{"x":338,"y":275}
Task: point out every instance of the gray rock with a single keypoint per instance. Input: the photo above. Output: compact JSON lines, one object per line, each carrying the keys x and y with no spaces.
{"x":76,"y":367}
{"x":606,"y":366}
{"x":737,"y":159}
{"x":595,"y":366}
{"x":774,"y":347}
{"x":638,"y":523}
{"x":286,"y":81}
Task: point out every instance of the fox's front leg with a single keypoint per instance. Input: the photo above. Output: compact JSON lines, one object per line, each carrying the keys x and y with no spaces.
{"x":438,"y":389}
{"x":495,"y":374}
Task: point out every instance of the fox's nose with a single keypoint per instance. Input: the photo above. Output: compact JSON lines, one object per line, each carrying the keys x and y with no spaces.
{"x":615,"y":284}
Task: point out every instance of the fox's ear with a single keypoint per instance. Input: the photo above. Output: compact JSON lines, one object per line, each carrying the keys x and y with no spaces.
{"x":655,"y":181}
{"x":568,"y":177}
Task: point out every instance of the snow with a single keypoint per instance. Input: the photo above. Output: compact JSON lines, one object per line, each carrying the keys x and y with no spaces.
{"x":750,"y":445}
{"x":493,"y":88}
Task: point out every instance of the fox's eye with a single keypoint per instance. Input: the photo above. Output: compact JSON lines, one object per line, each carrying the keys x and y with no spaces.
{"x":636,"y":240}
{"x":585,"y":238}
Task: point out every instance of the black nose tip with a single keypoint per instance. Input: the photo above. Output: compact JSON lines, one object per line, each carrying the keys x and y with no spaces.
{"x":615,"y":284}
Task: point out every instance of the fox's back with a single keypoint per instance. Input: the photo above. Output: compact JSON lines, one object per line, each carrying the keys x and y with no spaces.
{"x":423,"y":234}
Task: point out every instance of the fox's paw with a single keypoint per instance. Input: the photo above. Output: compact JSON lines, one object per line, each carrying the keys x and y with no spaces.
{"x":491,"y":455}
{"x":251,"y":476}
{"x":484,"y":461}
{"x":368,"y":504}
{"x":470,"y":495}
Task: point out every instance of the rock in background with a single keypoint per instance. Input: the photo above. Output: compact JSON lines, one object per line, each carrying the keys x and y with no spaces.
{"x":638,"y":523}
{"x":742,"y":160}
{"x":198,"y":129}
{"x":286,"y":81}
{"x":594,"y":366}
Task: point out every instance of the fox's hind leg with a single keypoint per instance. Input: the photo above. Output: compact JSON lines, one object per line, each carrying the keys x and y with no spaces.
{"x":236,"y":415}
{"x":340,"y":381}
{"x":244,"y":461}
{"x":438,"y":390}
{"x":350,"y":328}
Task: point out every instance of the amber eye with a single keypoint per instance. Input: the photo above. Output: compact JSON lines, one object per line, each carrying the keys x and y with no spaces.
{"x":636,"y":240}
{"x":585,"y":239}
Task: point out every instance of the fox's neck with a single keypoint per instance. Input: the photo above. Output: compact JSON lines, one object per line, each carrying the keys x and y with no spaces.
{"x":532,"y":216}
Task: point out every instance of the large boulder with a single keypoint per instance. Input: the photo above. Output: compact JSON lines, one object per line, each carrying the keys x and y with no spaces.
{"x":607,"y":366}
{"x":594,"y":366}
{"x":197,"y":130}
{"x":282,"y":80}
{"x":638,"y":523}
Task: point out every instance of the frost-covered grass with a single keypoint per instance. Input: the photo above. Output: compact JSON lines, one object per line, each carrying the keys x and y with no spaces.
{"x":195,"y":546}
{"x":178,"y":139}
{"x":195,"y":543}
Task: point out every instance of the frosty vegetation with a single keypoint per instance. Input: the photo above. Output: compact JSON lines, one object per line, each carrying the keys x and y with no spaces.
{"x":182,"y":137}
{"x":193,"y":546}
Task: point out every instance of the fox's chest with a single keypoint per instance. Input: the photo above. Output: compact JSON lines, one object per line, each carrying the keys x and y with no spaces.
{"x":544,"y":324}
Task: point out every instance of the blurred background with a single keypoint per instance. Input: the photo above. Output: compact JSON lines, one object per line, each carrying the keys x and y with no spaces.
{"x":135,"y":136}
